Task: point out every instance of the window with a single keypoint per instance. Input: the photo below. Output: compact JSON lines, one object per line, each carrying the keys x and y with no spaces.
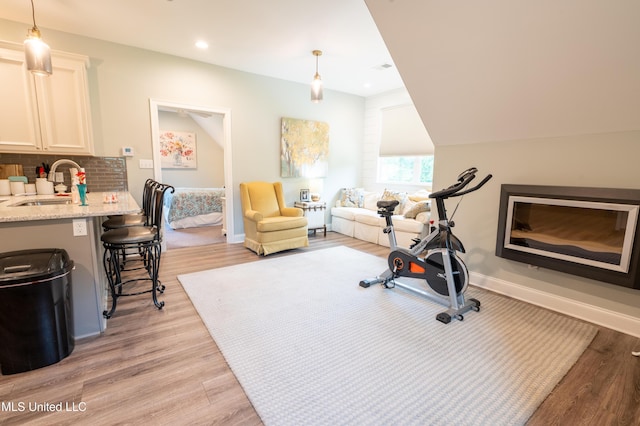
{"x":406,"y":169}
{"x":406,"y":150}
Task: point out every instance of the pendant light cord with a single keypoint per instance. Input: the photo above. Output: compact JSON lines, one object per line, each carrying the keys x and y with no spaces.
{"x":33,"y":15}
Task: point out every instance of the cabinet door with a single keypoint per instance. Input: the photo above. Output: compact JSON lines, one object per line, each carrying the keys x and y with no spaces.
{"x":63,"y":107}
{"x":19,"y":126}
{"x":44,"y":114}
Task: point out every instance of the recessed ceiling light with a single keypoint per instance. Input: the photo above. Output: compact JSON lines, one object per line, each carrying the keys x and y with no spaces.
{"x":201,"y":44}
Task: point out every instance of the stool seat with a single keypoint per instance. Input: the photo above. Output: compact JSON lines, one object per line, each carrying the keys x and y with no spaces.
{"x":130,"y":235}
{"x":124,"y":220}
{"x":136,"y":219}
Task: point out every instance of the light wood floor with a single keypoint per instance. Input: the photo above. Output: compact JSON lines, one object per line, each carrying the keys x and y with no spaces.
{"x":162,"y":367}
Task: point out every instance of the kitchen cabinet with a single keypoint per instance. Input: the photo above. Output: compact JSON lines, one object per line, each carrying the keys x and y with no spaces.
{"x":44,"y":114}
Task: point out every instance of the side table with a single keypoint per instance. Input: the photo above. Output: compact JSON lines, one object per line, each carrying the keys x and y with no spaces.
{"x":314,"y":212}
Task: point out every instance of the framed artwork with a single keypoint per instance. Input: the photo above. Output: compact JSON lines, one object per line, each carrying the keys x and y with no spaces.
{"x":304,"y":195}
{"x":304,"y":148}
{"x":177,"y":150}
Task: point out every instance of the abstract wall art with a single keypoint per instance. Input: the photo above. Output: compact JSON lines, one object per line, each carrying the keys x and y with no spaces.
{"x":304,"y":148}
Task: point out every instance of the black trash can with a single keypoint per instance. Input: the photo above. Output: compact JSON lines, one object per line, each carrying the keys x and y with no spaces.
{"x":36,"y":316}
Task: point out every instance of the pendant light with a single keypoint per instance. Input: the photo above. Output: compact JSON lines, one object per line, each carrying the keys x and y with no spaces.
{"x":36,"y":51}
{"x":316,"y":84}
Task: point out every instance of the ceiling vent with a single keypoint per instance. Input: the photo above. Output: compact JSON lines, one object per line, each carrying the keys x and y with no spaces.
{"x":383,"y":67}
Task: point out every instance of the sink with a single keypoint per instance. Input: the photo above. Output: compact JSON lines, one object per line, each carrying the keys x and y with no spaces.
{"x":46,"y":202}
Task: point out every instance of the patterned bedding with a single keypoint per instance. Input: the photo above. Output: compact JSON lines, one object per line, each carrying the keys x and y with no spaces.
{"x":189,"y":202}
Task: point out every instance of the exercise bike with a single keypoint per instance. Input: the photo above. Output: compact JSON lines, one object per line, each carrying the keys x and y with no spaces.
{"x":432,"y":258}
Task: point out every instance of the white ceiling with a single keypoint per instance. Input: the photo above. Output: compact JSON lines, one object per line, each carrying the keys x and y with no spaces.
{"x":267,"y":37}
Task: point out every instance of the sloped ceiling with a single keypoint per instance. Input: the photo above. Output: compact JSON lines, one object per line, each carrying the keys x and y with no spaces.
{"x":497,"y":70}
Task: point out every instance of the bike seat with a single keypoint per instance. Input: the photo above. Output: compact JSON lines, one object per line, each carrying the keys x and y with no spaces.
{"x":387,"y":204}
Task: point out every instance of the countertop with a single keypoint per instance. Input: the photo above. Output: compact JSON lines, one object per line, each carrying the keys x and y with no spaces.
{"x":96,"y":207}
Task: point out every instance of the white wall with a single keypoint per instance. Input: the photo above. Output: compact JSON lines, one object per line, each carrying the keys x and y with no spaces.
{"x":602,"y":160}
{"x":123,"y":79}
{"x":209,"y":171}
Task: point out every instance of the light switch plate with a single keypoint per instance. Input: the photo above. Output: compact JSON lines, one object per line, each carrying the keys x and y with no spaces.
{"x":146,"y":164}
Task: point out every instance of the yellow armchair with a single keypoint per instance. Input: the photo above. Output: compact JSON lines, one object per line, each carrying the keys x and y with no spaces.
{"x":269,"y":225}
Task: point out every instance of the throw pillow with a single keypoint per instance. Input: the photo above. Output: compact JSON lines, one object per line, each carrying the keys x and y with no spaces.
{"x":352,"y":197}
{"x":422,"y":206}
{"x":371,"y":201}
{"x":421,"y":195}
{"x":389,"y":195}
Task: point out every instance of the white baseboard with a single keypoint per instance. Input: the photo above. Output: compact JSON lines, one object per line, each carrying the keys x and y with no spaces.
{"x":594,"y":314}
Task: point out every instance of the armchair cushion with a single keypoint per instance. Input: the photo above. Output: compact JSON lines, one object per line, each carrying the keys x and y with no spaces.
{"x":280,"y":223}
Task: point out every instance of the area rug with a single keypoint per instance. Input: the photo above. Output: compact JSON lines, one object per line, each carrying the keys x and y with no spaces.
{"x":311,"y":347}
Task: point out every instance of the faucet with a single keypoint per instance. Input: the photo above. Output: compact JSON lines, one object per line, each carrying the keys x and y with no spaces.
{"x":55,"y":165}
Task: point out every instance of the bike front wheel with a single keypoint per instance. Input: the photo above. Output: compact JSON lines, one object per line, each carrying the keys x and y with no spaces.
{"x":436,"y":277}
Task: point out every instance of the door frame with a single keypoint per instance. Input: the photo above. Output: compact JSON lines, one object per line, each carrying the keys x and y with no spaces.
{"x":154,"y":108}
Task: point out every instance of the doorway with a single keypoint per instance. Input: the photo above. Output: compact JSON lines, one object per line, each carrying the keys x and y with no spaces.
{"x":213,"y":121}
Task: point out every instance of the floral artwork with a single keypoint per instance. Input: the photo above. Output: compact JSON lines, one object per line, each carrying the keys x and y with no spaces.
{"x":177,"y":150}
{"x":304,"y":148}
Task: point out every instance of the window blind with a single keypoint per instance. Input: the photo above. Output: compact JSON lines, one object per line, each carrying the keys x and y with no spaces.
{"x":403,"y":133}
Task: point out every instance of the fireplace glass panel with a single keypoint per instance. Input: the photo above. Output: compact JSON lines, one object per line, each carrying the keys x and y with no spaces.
{"x":585,"y":232}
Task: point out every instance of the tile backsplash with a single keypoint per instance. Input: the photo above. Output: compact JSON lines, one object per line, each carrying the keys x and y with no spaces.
{"x":103,"y":173}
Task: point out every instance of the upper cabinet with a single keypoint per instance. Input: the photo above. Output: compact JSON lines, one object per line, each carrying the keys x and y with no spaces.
{"x":44,"y":114}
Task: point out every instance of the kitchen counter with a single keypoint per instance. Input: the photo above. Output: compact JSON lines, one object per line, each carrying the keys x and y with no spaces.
{"x":96,"y":207}
{"x":76,"y":229}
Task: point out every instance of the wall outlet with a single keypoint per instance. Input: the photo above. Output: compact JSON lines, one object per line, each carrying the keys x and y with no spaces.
{"x":79,"y":227}
{"x":146,"y":164}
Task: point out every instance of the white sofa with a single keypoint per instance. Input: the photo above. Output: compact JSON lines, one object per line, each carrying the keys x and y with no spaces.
{"x":356,"y":215}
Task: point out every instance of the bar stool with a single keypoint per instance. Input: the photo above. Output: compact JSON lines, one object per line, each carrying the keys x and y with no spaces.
{"x":146,"y":241}
{"x":141,"y":218}
{"x":134,"y":219}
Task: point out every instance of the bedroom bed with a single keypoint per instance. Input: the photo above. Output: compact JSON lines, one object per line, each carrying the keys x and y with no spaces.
{"x":193,"y":207}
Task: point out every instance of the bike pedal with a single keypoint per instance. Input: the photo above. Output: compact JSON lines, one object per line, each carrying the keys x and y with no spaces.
{"x":416,"y":241}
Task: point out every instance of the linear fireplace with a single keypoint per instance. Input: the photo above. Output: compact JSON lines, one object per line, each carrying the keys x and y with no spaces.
{"x":590,"y":232}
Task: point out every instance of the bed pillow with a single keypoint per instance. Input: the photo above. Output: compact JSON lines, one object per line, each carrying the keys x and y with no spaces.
{"x":419,"y":207}
{"x":352,"y":197}
{"x":389,"y":195}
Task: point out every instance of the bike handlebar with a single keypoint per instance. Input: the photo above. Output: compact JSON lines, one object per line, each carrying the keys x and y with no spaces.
{"x":463,"y":180}
{"x":486,"y":179}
